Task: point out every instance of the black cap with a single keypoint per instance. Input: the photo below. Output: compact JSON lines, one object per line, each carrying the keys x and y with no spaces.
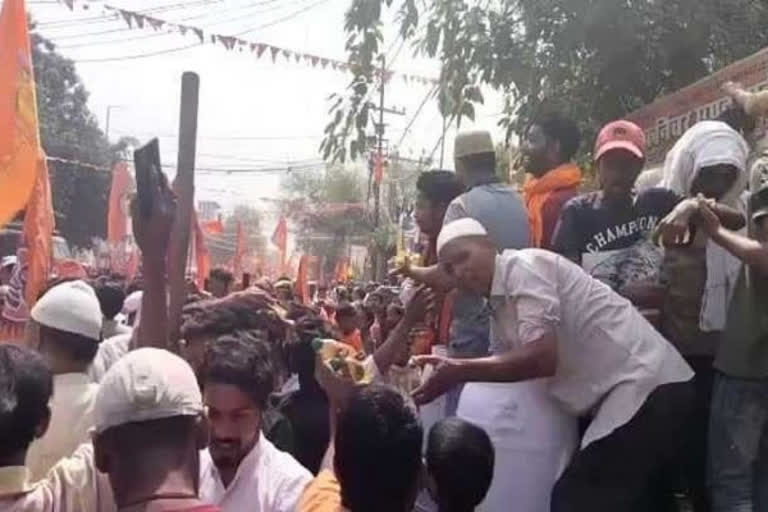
{"x":759,"y":202}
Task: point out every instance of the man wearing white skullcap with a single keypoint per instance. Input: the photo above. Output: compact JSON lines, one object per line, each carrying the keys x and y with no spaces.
{"x":149,"y":428}
{"x":69,"y":320}
{"x":571,"y":347}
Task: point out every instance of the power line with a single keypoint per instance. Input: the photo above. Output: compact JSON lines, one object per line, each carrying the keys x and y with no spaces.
{"x":186,"y":47}
{"x":223,"y":137}
{"x":185,"y":19}
{"x":416,"y":114}
{"x":105,"y":18}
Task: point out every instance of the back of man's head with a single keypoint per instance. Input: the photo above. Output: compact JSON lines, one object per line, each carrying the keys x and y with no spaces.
{"x":111,"y":299}
{"x":562,"y":130}
{"x":26,"y":386}
{"x":147,"y":420}
{"x":439,"y":187}
{"x":70,"y":320}
{"x":378,"y":451}
{"x":460,"y":458}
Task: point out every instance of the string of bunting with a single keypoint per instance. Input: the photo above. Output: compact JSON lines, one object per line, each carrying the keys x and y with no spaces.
{"x":138,"y":20}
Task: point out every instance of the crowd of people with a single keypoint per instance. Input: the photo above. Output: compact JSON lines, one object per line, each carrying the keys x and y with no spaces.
{"x":555,"y":349}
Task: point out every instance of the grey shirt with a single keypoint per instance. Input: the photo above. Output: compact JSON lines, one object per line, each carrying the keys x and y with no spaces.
{"x":502,"y":213}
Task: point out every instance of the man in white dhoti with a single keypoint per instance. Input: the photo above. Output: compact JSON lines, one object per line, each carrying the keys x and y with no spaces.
{"x":579,"y":343}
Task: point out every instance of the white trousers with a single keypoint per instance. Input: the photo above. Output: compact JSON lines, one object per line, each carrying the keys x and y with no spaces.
{"x":533,"y":437}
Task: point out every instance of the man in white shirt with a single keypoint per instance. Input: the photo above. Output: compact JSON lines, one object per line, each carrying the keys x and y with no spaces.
{"x":242,"y":469}
{"x":600,"y":356}
{"x":73,"y":485}
{"x":69,"y":320}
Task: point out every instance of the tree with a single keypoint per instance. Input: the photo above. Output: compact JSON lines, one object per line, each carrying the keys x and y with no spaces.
{"x":329,"y":211}
{"x":595,"y":59}
{"x":68,"y":130}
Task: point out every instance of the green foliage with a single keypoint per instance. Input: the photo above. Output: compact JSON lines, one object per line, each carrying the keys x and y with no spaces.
{"x":68,"y":129}
{"x":594,"y":59}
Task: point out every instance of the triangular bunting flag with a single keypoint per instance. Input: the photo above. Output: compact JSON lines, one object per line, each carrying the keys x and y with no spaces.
{"x":199,"y":33}
{"x":253,"y":46}
{"x":287,"y":54}
{"x":261,"y":50}
{"x":139,"y":19}
{"x":297,"y":56}
{"x":324,"y":63}
{"x":182,"y":29}
{"x":274,"y":51}
{"x":315,"y":60}
{"x":128,"y":16}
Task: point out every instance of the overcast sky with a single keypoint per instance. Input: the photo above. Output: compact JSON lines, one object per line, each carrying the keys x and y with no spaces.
{"x":253,"y":113}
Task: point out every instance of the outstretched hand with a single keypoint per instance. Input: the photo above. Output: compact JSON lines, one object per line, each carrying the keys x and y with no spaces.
{"x":708,"y":219}
{"x":337,"y":389}
{"x":441,"y":375}
{"x":673,"y":229}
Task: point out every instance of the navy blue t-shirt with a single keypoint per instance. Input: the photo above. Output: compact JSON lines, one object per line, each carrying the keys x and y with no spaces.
{"x":590,"y":225}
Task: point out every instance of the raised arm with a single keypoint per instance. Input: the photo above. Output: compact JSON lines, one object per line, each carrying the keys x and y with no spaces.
{"x":749,"y":251}
{"x":415,"y":312}
{"x":537,"y":359}
{"x":152,"y":234}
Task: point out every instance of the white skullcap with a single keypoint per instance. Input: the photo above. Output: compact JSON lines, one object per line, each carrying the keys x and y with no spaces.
{"x":458,"y":229}
{"x":132,"y":302}
{"x":8,"y":261}
{"x":473,"y":143}
{"x":71,"y":306}
{"x":146,"y":384}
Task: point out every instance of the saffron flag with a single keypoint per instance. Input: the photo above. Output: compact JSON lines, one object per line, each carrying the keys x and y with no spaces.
{"x":38,"y":233}
{"x":117,"y":217}
{"x":202,"y":257}
{"x":213,"y":227}
{"x":280,"y":239}
{"x":19,"y":137}
{"x":302,"y":280}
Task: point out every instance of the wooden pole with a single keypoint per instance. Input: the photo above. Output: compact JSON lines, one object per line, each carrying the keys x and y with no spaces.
{"x":184,"y":186}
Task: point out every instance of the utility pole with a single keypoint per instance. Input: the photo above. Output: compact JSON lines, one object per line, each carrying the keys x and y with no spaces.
{"x":377,"y":256}
{"x":109,"y":111}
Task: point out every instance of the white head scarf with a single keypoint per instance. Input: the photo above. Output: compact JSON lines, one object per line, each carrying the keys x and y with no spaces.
{"x":706,"y":144}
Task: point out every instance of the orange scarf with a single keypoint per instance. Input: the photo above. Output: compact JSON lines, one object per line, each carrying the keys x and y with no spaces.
{"x":537,"y":190}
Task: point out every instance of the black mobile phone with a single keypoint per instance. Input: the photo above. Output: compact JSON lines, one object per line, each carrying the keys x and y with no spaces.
{"x":146,"y":159}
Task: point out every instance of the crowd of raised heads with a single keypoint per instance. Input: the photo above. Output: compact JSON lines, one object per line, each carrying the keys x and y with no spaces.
{"x":553,"y":348}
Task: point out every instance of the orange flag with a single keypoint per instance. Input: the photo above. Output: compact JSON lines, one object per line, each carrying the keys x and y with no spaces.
{"x":240,"y":249}
{"x":202,"y":256}
{"x":117,"y":218}
{"x":280,"y":239}
{"x":38,"y":233}
{"x":19,"y":136}
{"x":302,"y":280}
{"x":213,"y":227}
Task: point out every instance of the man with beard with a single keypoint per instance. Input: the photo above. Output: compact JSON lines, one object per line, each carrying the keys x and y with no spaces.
{"x":550,"y":144}
{"x":242,"y":469}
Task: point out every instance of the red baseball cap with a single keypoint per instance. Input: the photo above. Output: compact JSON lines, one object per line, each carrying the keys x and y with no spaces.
{"x":620,"y":135}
